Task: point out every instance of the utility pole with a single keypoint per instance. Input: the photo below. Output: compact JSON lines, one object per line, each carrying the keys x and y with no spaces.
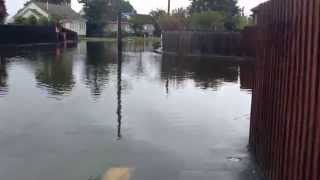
{"x":169,"y":8}
{"x":119,"y":34}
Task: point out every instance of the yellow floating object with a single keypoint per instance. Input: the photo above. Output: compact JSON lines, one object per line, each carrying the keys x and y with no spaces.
{"x":117,"y":174}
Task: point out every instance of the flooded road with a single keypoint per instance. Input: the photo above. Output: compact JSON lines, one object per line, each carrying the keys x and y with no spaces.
{"x":72,"y":113}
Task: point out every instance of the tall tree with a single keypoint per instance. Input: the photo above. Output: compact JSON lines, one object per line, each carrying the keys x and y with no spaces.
{"x":157,"y":14}
{"x":228,"y":7}
{"x":99,"y":12}
{"x":3,"y":11}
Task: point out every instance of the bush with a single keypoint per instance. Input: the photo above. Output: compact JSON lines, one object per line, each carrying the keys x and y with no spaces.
{"x":210,"y":20}
{"x":21,"y":21}
{"x":32,"y":20}
{"x":171,"y":23}
{"x":44,"y":21}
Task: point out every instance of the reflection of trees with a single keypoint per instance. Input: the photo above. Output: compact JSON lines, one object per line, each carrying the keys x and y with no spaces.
{"x":206,"y":73}
{"x":99,"y":57}
{"x":55,"y":71}
{"x":3,"y":76}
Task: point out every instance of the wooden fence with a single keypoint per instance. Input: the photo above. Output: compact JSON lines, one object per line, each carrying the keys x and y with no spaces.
{"x":21,"y":34}
{"x":202,"y":43}
{"x":285,"y":120}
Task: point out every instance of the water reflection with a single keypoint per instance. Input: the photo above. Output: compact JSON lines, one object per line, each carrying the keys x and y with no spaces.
{"x":54,"y":71}
{"x":100,"y":56}
{"x":77,"y":139}
{"x":206,"y":73}
{"x":247,"y":74}
{"x":119,"y":94}
{"x":3,"y":76}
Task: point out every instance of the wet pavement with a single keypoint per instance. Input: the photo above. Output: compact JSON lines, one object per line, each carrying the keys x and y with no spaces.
{"x":73,"y":113}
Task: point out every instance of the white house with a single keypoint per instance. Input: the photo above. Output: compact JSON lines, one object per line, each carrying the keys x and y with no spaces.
{"x":112,"y":27}
{"x":148,"y":29}
{"x":69,"y":19}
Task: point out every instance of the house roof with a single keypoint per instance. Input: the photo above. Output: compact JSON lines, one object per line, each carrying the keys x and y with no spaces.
{"x":61,"y":11}
{"x":257,"y":8}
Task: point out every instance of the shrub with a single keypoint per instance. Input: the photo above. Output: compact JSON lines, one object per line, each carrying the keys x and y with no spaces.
{"x":210,"y":20}
{"x":171,"y":23}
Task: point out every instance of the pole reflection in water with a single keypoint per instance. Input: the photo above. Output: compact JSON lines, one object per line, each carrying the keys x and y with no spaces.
{"x":119,"y":93}
{"x":3,"y":76}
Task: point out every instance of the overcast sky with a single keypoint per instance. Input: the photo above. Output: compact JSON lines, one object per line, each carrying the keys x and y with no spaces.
{"x":142,"y":6}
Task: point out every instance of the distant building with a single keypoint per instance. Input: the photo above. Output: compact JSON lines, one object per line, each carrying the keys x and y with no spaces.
{"x":112,"y":27}
{"x":148,"y":29}
{"x":68,"y":18}
{"x":147,"y":26}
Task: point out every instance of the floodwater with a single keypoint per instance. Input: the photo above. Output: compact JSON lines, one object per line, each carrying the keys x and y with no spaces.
{"x":75,"y":113}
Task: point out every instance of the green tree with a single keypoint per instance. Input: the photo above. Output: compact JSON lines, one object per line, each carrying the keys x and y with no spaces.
{"x":44,"y":21}
{"x":182,"y":14}
{"x":228,"y":7}
{"x":20,"y":20}
{"x":126,"y":7}
{"x":210,"y":20}
{"x":170,"y":23}
{"x":3,"y":11}
{"x":32,"y":20}
{"x":136,"y":22}
{"x":242,"y":22}
{"x":157,"y":14}
{"x":99,"y":12}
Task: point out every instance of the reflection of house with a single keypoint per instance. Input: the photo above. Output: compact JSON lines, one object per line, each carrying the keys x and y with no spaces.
{"x":66,"y":15}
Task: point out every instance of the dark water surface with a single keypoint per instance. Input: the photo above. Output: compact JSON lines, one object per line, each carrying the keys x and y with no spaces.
{"x":66,"y":114}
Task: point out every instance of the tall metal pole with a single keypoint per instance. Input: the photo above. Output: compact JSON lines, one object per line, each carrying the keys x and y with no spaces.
{"x":119,"y":34}
{"x":169,"y":8}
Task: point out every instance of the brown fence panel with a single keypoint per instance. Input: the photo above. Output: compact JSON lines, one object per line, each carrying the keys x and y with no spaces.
{"x":285,"y":120}
{"x":202,"y":43}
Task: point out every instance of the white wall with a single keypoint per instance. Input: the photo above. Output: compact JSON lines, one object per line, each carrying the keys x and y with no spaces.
{"x":76,"y":26}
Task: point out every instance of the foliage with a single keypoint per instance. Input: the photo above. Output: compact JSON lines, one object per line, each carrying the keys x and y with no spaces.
{"x":126,"y":7}
{"x":170,"y":23}
{"x":32,"y":20}
{"x":182,"y":14}
{"x":228,"y":8}
{"x":54,"y":19}
{"x":20,"y":20}
{"x":210,"y":20}
{"x":178,"y":20}
{"x":3,"y":11}
{"x":157,"y":14}
{"x":242,"y":22}
{"x":43,"y":21}
{"x":99,"y":12}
